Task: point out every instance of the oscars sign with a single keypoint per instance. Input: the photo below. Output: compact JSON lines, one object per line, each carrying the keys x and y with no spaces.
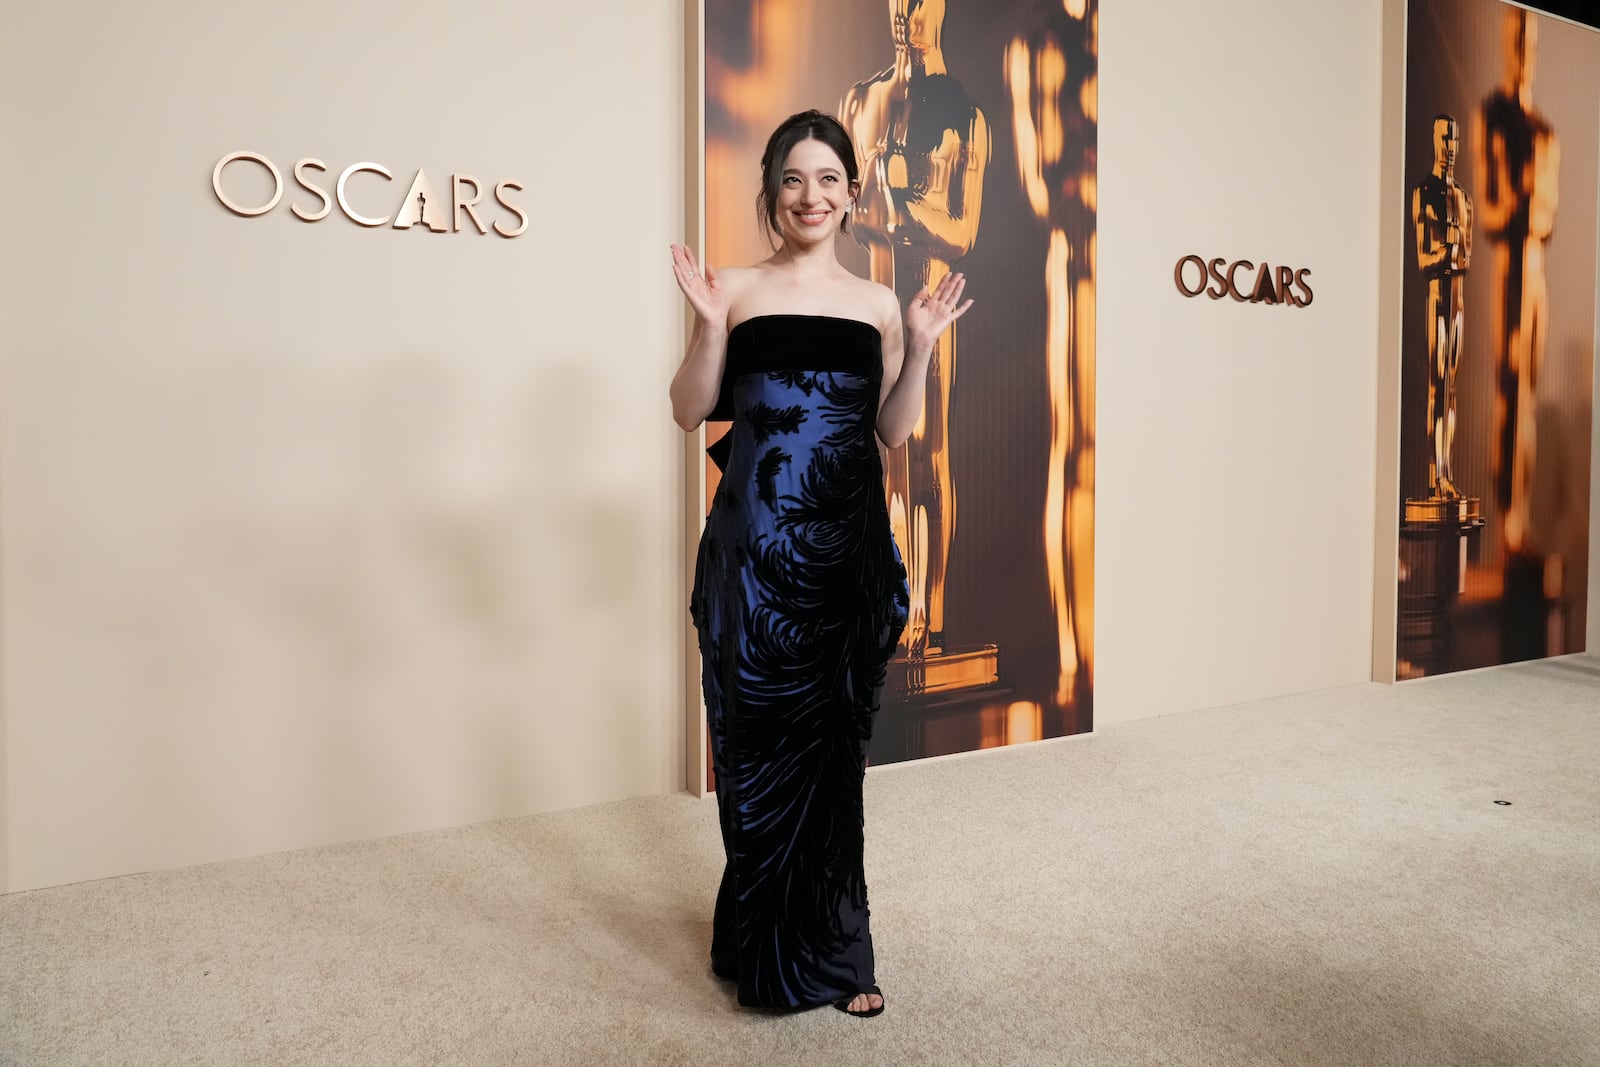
{"x":420,"y":204}
{"x":1218,"y":278}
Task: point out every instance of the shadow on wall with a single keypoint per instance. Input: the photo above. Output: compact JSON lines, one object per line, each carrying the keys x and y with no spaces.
{"x":491,"y":588}
{"x":272,"y":601}
{"x":504,"y":590}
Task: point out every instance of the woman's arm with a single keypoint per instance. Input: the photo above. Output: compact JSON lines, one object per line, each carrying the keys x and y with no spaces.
{"x":905,"y":375}
{"x":906,"y":355}
{"x":699,"y":378}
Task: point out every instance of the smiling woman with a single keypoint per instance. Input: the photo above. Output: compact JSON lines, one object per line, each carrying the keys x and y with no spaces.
{"x":808,"y":164}
{"x":800,"y":595}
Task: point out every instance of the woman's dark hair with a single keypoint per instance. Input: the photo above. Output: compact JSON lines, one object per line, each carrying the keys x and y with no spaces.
{"x":806,"y":126}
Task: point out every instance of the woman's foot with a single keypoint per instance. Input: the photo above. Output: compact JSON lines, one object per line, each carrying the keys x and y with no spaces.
{"x":864,"y":1005}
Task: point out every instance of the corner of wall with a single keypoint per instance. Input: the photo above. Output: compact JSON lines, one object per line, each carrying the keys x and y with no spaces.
{"x":10,"y":171}
{"x":1386,"y":525}
{"x":694,"y":712}
{"x":5,"y":798}
{"x":1592,"y":636}
{"x":5,"y":759}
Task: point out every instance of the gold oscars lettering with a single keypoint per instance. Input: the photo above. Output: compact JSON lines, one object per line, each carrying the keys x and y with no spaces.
{"x":420,"y":204}
{"x":1518,"y":163}
{"x":924,"y":145}
{"x":1441,"y":216}
{"x":1052,"y":76}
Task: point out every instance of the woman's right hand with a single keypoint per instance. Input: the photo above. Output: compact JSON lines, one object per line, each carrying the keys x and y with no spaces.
{"x":709,"y":300}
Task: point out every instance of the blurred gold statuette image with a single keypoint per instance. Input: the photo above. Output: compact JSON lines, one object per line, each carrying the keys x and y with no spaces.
{"x":925,"y":146}
{"x":1519,"y":162}
{"x":1052,"y":76}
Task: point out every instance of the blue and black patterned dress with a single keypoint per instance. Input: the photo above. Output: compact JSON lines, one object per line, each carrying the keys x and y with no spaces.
{"x":799,"y":598}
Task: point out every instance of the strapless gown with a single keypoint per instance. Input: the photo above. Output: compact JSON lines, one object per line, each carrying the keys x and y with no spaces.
{"x":799,"y":599}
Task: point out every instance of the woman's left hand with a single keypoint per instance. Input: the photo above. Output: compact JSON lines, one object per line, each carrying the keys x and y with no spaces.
{"x":930,"y":313}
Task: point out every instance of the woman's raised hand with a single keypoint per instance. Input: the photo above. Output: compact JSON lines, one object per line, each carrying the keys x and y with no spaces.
{"x":709,"y":300}
{"x":930,"y":313}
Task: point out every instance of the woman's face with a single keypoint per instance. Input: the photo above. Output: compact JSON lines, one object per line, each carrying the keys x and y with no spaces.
{"x":812,"y":193}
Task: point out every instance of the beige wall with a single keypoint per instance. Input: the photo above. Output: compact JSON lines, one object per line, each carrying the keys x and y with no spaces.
{"x":1235,"y":447}
{"x":312,"y":532}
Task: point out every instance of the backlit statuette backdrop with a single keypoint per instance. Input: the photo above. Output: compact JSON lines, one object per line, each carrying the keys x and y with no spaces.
{"x":1502,"y":125}
{"x":975,"y":123}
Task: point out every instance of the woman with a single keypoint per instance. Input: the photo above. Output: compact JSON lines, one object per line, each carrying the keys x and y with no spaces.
{"x":799,"y":595}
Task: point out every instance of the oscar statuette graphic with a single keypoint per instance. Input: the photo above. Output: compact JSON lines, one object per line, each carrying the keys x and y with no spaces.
{"x":1519,"y":160}
{"x":1441,"y":214}
{"x":924,"y":145}
{"x":1435,"y":527}
{"x":1052,"y":75}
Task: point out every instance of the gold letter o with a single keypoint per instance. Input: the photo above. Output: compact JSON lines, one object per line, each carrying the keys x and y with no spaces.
{"x":254,"y":157}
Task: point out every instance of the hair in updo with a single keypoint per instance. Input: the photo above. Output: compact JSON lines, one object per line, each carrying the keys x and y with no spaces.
{"x":805,"y":126}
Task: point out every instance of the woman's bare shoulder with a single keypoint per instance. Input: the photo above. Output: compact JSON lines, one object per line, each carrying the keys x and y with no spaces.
{"x":885,"y":305}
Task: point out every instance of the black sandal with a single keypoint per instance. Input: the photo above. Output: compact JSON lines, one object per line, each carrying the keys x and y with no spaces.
{"x":844,"y":1005}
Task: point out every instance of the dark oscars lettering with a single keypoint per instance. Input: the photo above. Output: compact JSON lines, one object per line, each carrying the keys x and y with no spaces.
{"x":1219,"y":281}
{"x":1244,"y":280}
{"x":1233,"y":278}
{"x":419,"y":204}
{"x":1178,"y":275}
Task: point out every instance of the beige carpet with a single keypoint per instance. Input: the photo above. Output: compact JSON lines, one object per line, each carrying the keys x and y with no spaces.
{"x":1320,"y":879}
